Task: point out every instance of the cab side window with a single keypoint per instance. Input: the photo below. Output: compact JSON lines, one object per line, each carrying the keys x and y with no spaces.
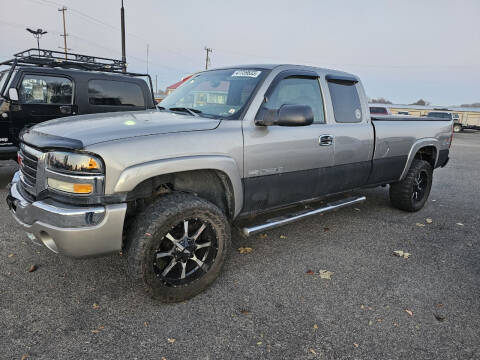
{"x":115,"y":93}
{"x":345,"y":100}
{"x":41,"y":89}
{"x":298,"y":91}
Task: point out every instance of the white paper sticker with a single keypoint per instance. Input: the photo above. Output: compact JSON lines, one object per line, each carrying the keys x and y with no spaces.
{"x":358,"y":114}
{"x":246,"y":73}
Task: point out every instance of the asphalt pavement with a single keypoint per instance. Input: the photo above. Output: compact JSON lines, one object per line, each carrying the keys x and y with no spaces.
{"x":271,"y":303}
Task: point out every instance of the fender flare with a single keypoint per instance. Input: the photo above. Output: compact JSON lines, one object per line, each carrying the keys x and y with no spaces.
{"x":134,"y":175}
{"x":417,"y":145}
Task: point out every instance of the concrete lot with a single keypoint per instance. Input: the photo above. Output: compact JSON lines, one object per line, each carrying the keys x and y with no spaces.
{"x":264,"y":305}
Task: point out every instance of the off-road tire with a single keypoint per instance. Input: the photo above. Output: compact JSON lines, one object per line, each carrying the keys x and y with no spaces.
{"x":151,"y":226}
{"x":457,"y":128}
{"x":402,"y":192}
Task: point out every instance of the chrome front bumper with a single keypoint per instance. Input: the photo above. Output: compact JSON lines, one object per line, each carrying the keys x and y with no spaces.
{"x":70,"y":230}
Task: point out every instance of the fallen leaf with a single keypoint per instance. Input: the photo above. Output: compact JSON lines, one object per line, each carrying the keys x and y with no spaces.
{"x":310,"y":272}
{"x":263,"y":236}
{"x":11,"y":255}
{"x":356,"y":209}
{"x":32,"y":268}
{"x":409,"y":312}
{"x":283,"y":237}
{"x":145,"y":323}
{"x":95,"y":306}
{"x":459,"y":224}
{"x":245,"y":250}
{"x":355,"y":344}
{"x":25,"y":357}
{"x":428,"y":220}
{"x":259,"y":343}
{"x":95,"y":331}
{"x":370,"y":323}
{"x":420,"y":224}
{"x":101,"y":327}
{"x":313,"y":352}
{"x":326,"y":229}
{"x":325,"y":274}
{"x":171,"y":340}
{"x":395,"y":324}
{"x":402,"y":254}
{"x":315,"y":326}
{"x":244,"y":312}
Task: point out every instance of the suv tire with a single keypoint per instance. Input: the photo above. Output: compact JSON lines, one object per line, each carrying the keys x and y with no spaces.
{"x":411,"y":193}
{"x":174,"y":264}
{"x":457,"y":128}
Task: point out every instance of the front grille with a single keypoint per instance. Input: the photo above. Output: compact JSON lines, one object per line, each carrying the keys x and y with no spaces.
{"x":28,"y":168}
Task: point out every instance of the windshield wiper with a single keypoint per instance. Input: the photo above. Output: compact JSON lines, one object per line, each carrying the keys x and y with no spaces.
{"x":191,"y":111}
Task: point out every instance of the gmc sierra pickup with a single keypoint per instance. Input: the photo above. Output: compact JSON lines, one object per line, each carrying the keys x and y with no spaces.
{"x":166,"y":185}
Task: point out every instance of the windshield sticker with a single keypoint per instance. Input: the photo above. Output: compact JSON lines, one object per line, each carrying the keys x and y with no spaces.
{"x":358,"y":114}
{"x":246,"y":73}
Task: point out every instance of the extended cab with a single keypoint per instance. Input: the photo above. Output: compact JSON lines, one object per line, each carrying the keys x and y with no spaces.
{"x":40,"y":85}
{"x":167,"y":185}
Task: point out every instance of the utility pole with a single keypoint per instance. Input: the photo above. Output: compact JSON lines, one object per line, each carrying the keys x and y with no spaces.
{"x":147,"y":56}
{"x":63,"y":9}
{"x":124,"y":56}
{"x":207,"y":59}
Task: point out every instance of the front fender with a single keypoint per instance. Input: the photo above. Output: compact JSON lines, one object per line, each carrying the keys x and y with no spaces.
{"x":134,"y":175}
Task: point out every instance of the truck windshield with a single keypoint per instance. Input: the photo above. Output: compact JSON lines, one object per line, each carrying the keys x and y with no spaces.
{"x":216,"y":93}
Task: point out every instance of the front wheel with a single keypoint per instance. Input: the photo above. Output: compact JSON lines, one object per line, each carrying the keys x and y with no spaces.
{"x":177,"y":247}
{"x":411,"y":193}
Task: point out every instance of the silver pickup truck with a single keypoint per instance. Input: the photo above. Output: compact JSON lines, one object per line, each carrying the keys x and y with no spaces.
{"x":166,"y":185}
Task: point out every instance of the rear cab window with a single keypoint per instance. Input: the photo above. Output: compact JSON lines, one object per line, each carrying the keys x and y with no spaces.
{"x":115,"y":93}
{"x":345,"y":100}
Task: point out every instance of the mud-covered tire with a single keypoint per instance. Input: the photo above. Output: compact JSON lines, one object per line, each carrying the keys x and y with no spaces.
{"x":457,"y":128}
{"x":408,"y":194}
{"x":152,"y":230}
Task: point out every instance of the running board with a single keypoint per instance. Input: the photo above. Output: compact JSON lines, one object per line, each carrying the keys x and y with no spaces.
{"x":287,"y":219}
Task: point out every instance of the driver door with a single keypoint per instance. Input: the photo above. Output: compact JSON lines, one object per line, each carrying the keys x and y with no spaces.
{"x":282,"y":165}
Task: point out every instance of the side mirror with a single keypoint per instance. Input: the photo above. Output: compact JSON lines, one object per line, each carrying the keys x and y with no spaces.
{"x":287,"y":115}
{"x":13,"y":94}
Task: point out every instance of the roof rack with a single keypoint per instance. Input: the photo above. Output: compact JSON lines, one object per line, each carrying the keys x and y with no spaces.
{"x":52,"y":58}
{"x":60,"y":59}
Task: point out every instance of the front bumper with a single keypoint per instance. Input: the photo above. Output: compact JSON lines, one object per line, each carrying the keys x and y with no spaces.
{"x":70,"y":230}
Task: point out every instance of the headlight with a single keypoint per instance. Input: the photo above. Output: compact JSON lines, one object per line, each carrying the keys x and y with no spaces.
{"x":74,"y":163}
{"x":74,"y":173}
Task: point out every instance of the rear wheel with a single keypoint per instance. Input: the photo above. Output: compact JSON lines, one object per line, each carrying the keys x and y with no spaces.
{"x":457,"y":128}
{"x":178,"y":247}
{"x":412,"y":192}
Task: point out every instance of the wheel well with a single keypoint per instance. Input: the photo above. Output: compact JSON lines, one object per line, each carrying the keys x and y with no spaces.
{"x":211,"y":185}
{"x":427,"y":153}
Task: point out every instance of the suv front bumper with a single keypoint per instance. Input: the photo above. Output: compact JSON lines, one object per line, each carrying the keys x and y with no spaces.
{"x":70,"y":230}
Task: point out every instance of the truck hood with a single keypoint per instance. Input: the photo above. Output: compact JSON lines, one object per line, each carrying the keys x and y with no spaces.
{"x":80,"y":131}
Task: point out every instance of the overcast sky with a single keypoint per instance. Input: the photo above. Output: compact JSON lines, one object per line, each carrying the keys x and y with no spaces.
{"x":403,"y":50}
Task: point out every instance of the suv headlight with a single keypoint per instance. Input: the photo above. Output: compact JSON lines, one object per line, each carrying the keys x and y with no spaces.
{"x":74,"y":173}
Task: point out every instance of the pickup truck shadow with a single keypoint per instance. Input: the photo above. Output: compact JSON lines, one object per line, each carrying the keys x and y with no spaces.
{"x":7,"y":169}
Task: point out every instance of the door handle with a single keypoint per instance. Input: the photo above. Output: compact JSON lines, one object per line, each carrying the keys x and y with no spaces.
{"x":325,"y":140}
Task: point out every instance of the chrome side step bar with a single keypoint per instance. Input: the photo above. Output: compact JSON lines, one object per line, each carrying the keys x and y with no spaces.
{"x":284,"y":220}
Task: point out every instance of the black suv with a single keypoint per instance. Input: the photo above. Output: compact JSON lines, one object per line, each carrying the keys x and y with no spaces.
{"x":40,"y":85}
